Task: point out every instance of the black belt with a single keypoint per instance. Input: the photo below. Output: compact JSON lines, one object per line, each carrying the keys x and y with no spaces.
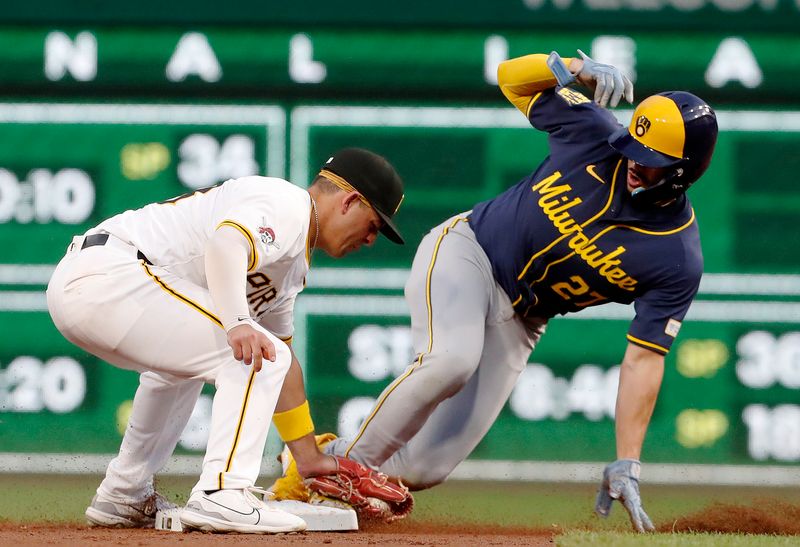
{"x":101,"y":239}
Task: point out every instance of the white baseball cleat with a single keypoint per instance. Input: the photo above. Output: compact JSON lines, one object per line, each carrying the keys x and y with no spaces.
{"x":237,"y":511}
{"x":108,"y":513}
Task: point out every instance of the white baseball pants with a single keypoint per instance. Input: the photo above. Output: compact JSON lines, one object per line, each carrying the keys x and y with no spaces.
{"x":470,"y":347}
{"x":143,"y":318}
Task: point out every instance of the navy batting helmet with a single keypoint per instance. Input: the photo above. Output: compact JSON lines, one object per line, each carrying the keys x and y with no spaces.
{"x":673,"y":129}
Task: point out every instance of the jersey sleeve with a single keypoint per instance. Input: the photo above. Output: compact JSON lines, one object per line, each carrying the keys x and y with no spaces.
{"x":280,"y":321}
{"x":660,"y":313}
{"x":576,"y":126}
{"x":521,"y":79}
{"x":271,"y":224}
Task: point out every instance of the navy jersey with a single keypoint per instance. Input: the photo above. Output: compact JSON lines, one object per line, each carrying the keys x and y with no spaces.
{"x":568,"y":237}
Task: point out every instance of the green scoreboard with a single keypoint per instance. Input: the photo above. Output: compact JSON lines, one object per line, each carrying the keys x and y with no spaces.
{"x":111,"y":113}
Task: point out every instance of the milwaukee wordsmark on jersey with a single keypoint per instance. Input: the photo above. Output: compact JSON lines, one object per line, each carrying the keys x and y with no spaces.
{"x":568,"y":237}
{"x":272,"y":214}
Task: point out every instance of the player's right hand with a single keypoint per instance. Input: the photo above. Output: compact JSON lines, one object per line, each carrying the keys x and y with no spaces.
{"x":609,"y":83}
{"x":250,"y":345}
{"x":621,"y":482}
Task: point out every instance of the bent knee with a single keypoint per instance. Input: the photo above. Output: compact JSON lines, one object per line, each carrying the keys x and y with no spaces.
{"x":448,"y":375}
{"x":422,"y":477}
{"x":283,"y":354}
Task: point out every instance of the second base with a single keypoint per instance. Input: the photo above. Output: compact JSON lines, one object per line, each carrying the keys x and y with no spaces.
{"x":169,"y":519}
{"x":320,"y":518}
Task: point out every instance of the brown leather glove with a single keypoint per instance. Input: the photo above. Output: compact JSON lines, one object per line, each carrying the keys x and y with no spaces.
{"x":370,"y":493}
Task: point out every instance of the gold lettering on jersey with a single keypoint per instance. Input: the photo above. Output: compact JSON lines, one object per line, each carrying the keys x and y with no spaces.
{"x":572,"y":97}
{"x":556,"y":202}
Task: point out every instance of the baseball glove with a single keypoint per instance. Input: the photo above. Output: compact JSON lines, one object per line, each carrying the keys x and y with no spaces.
{"x":370,"y":493}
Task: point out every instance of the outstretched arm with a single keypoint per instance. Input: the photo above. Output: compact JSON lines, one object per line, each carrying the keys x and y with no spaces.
{"x":639,"y":384}
{"x":293,"y":421}
{"x":371,"y":493}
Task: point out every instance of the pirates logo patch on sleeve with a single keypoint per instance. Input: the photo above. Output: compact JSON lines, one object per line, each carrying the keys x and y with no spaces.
{"x":267,"y":235}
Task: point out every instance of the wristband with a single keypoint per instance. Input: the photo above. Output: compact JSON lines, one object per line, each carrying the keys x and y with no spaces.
{"x":295,"y":423}
{"x":556,"y":65}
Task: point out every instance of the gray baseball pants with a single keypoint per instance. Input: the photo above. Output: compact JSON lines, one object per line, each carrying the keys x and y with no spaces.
{"x":471,"y":347}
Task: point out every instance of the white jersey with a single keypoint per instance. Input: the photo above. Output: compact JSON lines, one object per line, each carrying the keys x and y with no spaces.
{"x":270,"y":212}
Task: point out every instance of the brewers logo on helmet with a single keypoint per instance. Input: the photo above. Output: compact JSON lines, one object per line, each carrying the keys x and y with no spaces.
{"x":673,"y":129}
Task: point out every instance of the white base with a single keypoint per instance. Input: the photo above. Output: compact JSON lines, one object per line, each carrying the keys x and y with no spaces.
{"x":319,"y":518}
{"x":169,"y":520}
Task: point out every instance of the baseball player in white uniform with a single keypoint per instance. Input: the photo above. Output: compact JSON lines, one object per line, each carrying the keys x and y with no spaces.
{"x":201,"y":289}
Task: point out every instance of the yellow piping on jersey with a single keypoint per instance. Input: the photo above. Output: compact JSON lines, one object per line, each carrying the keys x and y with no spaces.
{"x":610,"y":196}
{"x":239,"y":425}
{"x":646,"y":344}
{"x":563,"y":258}
{"x":251,"y":265}
{"x":530,"y":104}
{"x":627,"y":282}
{"x":416,"y":365}
{"x":561,"y":227}
{"x":543,"y":187}
{"x":553,"y":263}
{"x":668,"y":232}
{"x":537,"y":255}
{"x":176,"y":199}
{"x":531,"y":305}
{"x":181,"y":297}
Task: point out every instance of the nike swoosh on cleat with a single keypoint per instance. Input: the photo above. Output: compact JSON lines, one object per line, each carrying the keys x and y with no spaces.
{"x":253,"y":510}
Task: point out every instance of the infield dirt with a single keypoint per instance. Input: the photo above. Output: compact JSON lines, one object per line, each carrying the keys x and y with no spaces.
{"x":399,"y":534}
{"x":764,"y":516}
{"x":48,"y":510}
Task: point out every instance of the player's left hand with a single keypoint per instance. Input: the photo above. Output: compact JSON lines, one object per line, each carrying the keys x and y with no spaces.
{"x":369,"y":492}
{"x":621,"y":482}
{"x":609,"y":83}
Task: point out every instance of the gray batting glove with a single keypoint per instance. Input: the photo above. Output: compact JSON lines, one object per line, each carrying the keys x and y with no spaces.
{"x":621,"y":482}
{"x":610,"y":83}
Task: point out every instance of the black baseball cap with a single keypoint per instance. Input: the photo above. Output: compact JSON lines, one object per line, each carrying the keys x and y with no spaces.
{"x":372,"y":176}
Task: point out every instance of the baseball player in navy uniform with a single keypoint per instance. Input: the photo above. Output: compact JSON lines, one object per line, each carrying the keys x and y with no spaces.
{"x":604,"y":218}
{"x":201,"y":289}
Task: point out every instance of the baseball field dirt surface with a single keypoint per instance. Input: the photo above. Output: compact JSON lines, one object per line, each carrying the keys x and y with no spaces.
{"x":397,"y":534}
{"x":48,"y":510}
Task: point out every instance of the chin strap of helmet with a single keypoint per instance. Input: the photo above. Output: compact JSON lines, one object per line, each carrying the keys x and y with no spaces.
{"x":661,"y":193}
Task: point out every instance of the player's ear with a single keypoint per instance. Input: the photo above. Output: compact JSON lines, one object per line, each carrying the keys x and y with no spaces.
{"x":349,"y":200}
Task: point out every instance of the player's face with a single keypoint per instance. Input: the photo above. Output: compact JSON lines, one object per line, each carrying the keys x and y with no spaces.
{"x":358,"y":226}
{"x":640,"y":176}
